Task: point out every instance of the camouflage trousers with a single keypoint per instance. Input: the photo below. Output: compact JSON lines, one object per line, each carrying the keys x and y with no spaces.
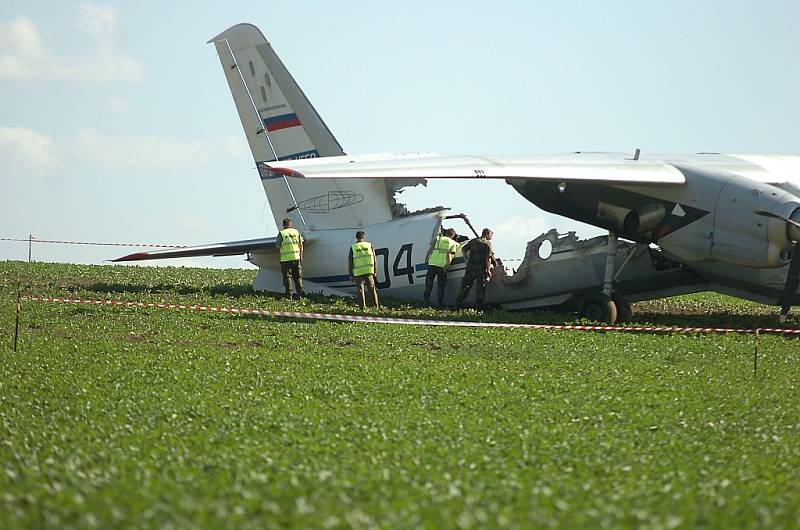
{"x":471,"y":276}
{"x":292,"y":271}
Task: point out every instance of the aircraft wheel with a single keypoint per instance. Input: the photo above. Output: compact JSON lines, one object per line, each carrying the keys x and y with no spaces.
{"x":624,"y":310}
{"x":598,"y":307}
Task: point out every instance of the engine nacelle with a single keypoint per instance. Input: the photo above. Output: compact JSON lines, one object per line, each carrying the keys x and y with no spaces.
{"x":743,"y":237}
{"x":643,"y":219}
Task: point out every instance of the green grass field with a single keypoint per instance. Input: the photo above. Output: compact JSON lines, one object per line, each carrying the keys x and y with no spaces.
{"x":115,"y":417}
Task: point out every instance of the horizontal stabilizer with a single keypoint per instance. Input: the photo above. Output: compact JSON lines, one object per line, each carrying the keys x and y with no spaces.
{"x":230,"y":248}
{"x":590,"y":167}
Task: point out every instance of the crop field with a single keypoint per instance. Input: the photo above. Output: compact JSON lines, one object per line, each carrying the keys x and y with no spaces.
{"x":118,"y":417}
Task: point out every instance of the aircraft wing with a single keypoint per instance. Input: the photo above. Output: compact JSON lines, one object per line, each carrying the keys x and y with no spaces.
{"x":598,"y":167}
{"x":230,"y":248}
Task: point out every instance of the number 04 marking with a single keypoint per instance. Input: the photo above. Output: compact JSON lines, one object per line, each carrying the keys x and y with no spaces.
{"x":402,"y":266}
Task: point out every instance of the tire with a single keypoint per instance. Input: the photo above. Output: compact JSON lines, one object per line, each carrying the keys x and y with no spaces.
{"x":598,"y":307}
{"x":624,"y":310}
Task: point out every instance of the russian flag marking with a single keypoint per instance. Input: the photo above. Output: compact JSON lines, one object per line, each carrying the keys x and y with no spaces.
{"x":283,"y":121}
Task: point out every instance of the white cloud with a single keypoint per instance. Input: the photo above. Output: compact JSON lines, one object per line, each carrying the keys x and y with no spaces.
{"x":97,"y":20}
{"x":24,"y":55}
{"x":26,"y":152}
{"x":235,"y":146}
{"x":190,"y":221}
{"x":146,"y":151}
{"x":22,"y":32}
{"x":103,"y":65}
{"x":20,"y":44}
{"x":519,"y":229}
{"x":118,"y":104}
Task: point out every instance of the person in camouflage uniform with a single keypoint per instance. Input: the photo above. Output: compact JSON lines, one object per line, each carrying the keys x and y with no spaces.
{"x":479,"y":260}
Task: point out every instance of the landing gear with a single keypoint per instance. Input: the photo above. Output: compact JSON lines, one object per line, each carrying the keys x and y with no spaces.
{"x":603,"y":308}
{"x":623,"y":307}
{"x":611,"y":253}
{"x":598,"y":307}
{"x":607,"y":306}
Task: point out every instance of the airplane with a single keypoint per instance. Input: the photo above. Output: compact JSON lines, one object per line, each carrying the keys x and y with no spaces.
{"x":677,"y":223}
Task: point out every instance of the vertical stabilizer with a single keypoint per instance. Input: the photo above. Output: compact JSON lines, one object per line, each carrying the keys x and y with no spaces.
{"x":281,"y":124}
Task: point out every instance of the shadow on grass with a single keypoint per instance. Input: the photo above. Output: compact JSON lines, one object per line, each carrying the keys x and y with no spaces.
{"x":715,"y":320}
{"x":397,"y":308}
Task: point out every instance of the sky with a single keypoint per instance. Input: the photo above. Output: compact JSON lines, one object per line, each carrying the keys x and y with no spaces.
{"x":117,"y":125}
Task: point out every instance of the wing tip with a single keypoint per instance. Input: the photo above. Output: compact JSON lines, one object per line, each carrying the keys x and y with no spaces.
{"x":136,"y":256}
{"x":287,"y":172}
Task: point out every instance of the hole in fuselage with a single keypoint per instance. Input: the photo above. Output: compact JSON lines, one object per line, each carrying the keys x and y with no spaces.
{"x":545,"y":249}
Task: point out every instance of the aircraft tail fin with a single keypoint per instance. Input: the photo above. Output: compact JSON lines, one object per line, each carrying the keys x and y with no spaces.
{"x":281,"y":124}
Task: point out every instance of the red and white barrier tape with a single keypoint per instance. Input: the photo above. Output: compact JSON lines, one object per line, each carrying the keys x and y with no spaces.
{"x":409,"y":321}
{"x":34,"y":240}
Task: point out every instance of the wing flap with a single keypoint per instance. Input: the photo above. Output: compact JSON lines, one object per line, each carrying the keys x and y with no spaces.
{"x":230,"y":248}
{"x":591,"y":168}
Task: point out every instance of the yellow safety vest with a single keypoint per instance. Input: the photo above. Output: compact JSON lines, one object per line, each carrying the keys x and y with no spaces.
{"x":362,"y":259}
{"x":290,"y":244}
{"x":441,"y":249}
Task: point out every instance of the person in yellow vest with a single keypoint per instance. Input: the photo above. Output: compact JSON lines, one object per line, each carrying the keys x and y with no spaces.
{"x":439,"y":257}
{"x":362,"y":268}
{"x":290,"y":245}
